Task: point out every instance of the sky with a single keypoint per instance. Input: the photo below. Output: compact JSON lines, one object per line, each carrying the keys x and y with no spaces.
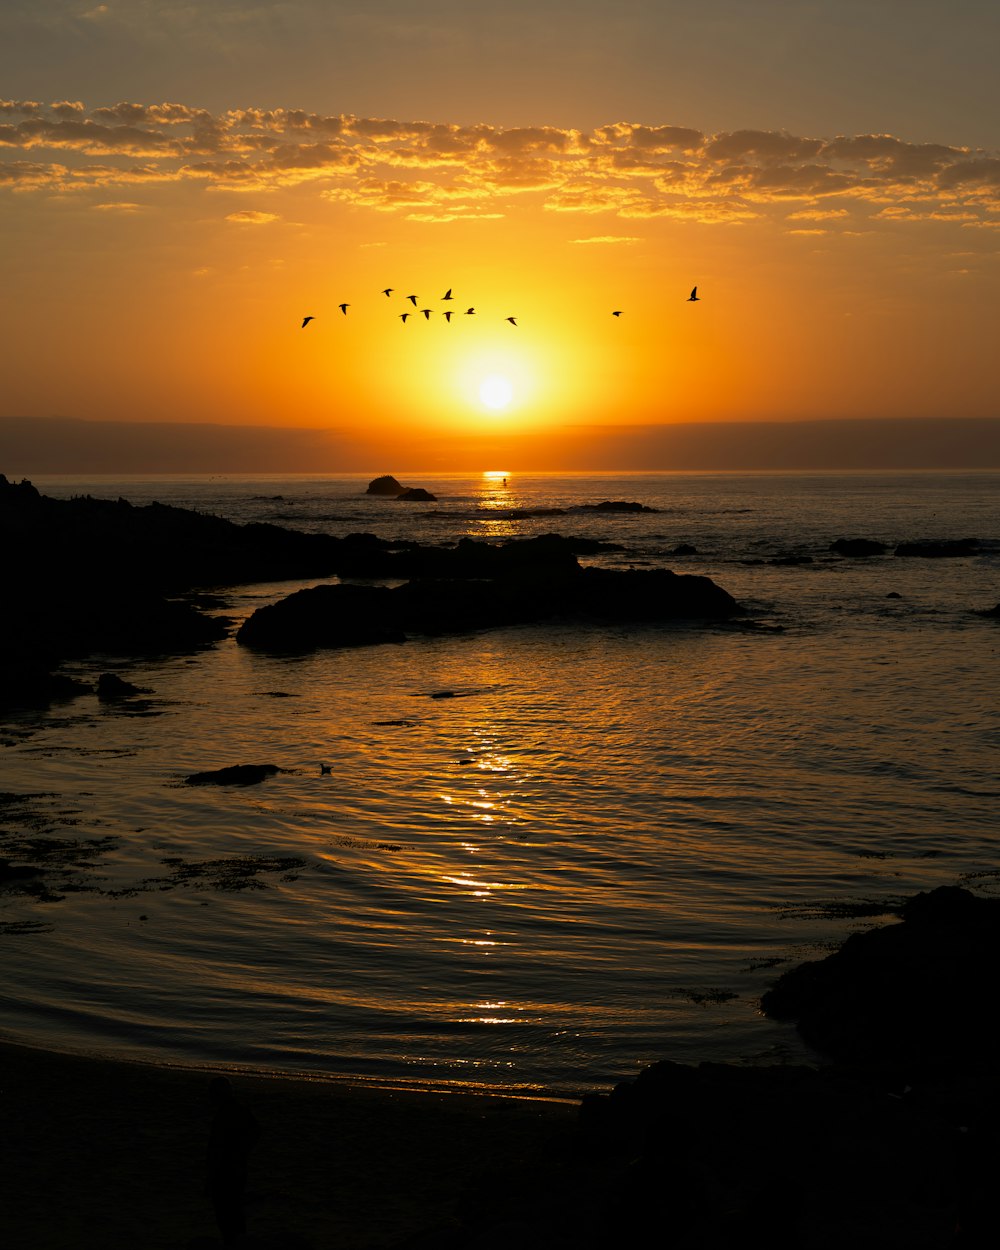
{"x":182,"y":183}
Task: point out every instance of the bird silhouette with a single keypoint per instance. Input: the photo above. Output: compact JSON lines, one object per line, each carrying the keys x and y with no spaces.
{"x":427,"y":313}
{"x":324,"y":770}
{"x":693,"y":295}
{"x":412,"y":299}
{"x":403,"y":316}
{"x":512,"y":320}
{"x":447,"y":294}
{"x":617,"y":313}
{"x":388,"y":290}
{"x":305,"y":322}
{"x":448,"y":316}
{"x":344,"y":308}
{"x":470,"y":312}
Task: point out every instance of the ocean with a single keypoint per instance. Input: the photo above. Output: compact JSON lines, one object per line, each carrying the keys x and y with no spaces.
{"x":532,"y":859}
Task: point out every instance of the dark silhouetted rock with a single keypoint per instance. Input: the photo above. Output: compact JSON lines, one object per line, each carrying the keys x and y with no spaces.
{"x":945,"y":548}
{"x":509,"y":584}
{"x":614,"y":505}
{"x":417,"y":494}
{"x":385,"y":485}
{"x":235,"y":775}
{"x":894,"y":594}
{"x":921,"y":991}
{"x":526,"y":514}
{"x":858,"y":547}
{"x":790,"y":560}
{"x":32,"y":683}
{"x":324,"y":617}
{"x":111,"y":687}
{"x":992,"y":612}
{"x":684,"y":549}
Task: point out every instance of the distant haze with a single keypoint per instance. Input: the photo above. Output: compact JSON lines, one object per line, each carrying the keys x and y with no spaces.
{"x":61,"y":445}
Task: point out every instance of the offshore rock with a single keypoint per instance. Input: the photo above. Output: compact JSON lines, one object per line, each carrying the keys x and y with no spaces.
{"x":918,"y":992}
{"x":858,"y":547}
{"x":614,"y":505}
{"x":385,"y":485}
{"x":234,"y":775}
{"x":946,"y":548}
{"x":516,"y":584}
{"x":417,"y":494}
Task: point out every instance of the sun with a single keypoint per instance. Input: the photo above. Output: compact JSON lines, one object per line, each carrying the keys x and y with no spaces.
{"x":495,"y":391}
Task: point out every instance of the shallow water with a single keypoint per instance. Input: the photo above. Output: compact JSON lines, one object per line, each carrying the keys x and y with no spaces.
{"x":590,"y":857}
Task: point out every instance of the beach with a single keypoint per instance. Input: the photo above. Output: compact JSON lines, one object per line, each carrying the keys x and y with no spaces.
{"x":101,"y":1154}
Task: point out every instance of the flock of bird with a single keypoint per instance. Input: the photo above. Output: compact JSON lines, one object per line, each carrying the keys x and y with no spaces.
{"x":389,"y":291}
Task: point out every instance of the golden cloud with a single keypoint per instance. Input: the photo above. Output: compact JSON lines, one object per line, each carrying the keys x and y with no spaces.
{"x":440,"y":170}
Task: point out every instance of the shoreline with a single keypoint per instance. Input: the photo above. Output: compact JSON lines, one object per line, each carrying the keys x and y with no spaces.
{"x":105,"y":1153}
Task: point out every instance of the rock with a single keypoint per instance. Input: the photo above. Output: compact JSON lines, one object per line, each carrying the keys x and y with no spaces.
{"x":858,"y":547}
{"x":324,"y":617}
{"x":385,"y":485}
{"x":614,"y":505}
{"x":992,"y":612}
{"x":917,"y":992}
{"x":417,"y":494}
{"x":945,"y":548}
{"x":684,"y":549}
{"x":507,"y":585}
{"x":27,"y":682}
{"x":234,"y":775}
{"x":110,"y":687}
{"x":525,"y":514}
{"x":894,"y":594}
{"x":790,"y":560}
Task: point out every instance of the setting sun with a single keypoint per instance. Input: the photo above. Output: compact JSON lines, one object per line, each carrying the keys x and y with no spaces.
{"x":496,"y":391}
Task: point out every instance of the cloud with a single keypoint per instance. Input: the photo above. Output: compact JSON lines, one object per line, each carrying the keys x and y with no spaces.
{"x":609,"y":238}
{"x":434,"y":170}
{"x":252,"y":217}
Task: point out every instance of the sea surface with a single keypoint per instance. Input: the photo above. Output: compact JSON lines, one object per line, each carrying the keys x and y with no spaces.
{"x":535,"y":858}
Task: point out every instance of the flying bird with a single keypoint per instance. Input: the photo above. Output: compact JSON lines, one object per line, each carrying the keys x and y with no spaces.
{"x":470,"y":312}
{"x":344,"y":308}
{"x":427,"y":313}
{"x":448,"y":316}
{"x":388,"y":291}
{"x":693,"y":295}
{"x":512,"y":321}
{"x":412,"y":299}
{"x":305,"y":321}
{"x":403,"y":316}
{"x":617,"y":313}
{"x":447,"y":294}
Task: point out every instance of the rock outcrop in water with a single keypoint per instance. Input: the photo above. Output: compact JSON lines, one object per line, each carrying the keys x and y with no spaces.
{"x":917,"y":992}
{"x":234,"y":775}
{"x":385,"y":485}
{"x":489,"y":587}
{"x":416,"y":494}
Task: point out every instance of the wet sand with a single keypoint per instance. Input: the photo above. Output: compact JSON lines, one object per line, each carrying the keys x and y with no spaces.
{"x":98,"y":1153}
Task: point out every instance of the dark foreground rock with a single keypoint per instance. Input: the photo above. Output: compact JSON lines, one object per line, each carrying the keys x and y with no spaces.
{"x":920,"y":992}
{"x":234,"y":775}
{"x":416,"y":494}
{"x":520,"y":591}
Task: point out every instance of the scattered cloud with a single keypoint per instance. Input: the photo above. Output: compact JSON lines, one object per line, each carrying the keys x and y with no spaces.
{"x":252,"y":217}
{"x":439,"y":172}
{"x":609,"y":238}
{"x":118,"y":206}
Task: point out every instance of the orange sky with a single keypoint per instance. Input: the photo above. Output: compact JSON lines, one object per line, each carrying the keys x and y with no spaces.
{"x":158,"y":260}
